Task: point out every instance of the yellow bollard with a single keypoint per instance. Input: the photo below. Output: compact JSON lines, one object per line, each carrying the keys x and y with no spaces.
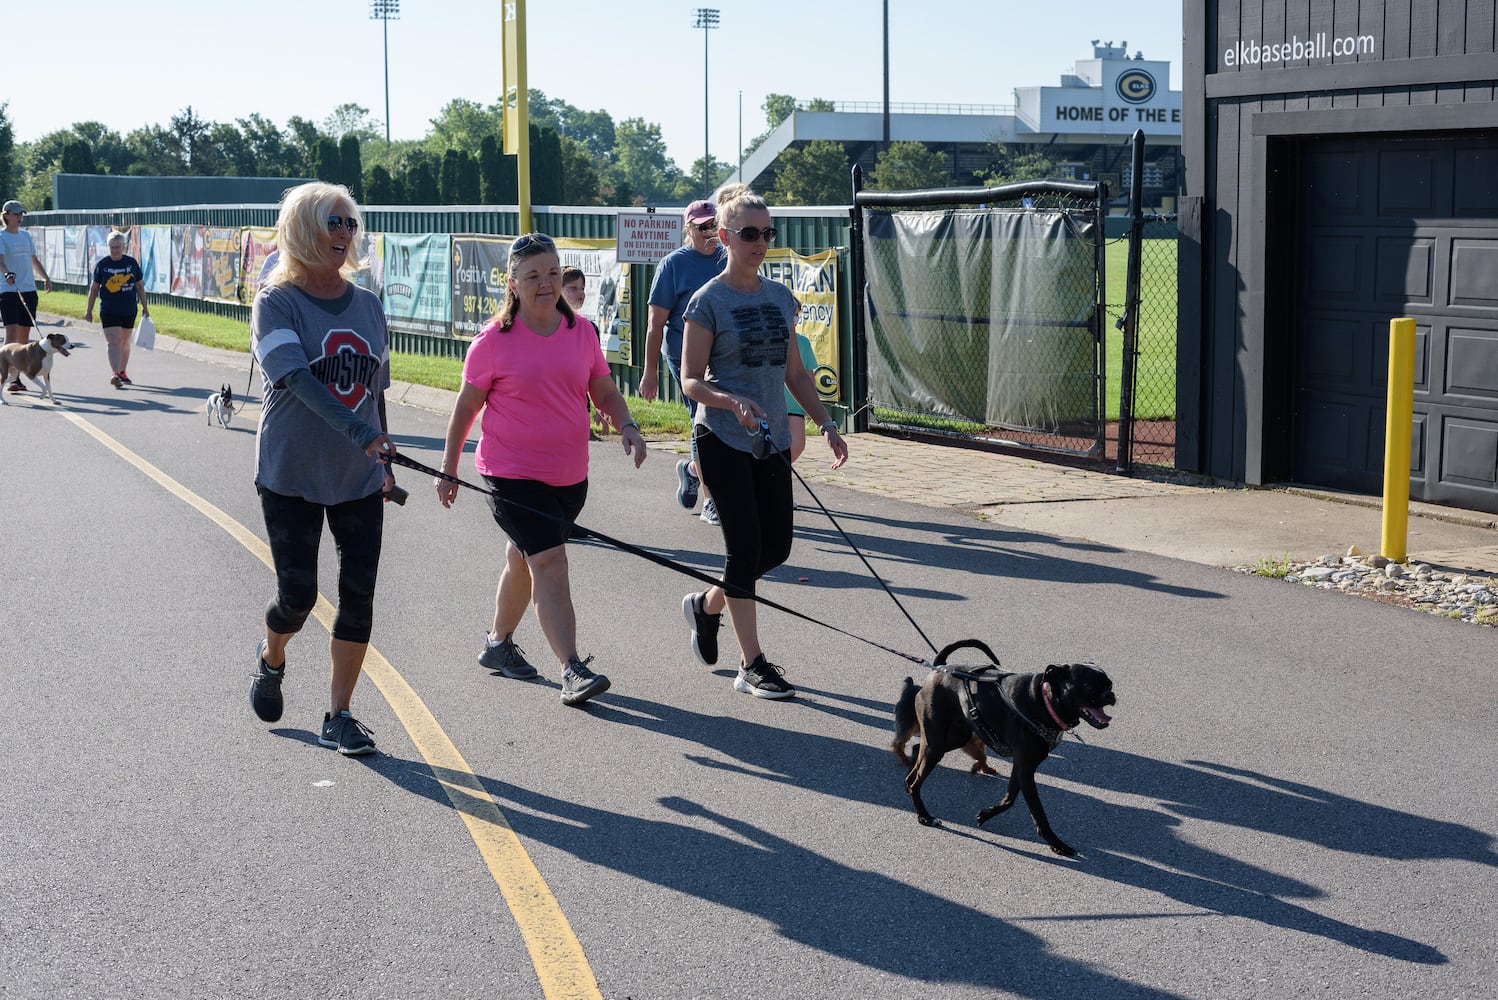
{"x":1401,"y":414}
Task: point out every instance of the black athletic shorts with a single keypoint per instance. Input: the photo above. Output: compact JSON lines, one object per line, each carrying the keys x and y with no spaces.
{"x":11,"y":311}
{"x":125,"y":321}
{"x":535,"y":516}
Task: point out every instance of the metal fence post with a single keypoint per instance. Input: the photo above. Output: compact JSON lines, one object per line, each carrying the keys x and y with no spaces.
{"x":858,"y":371}
{"x":1130,"y":317}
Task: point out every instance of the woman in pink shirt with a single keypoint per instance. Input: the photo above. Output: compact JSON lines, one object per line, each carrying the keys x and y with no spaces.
{"x":531,"y":372}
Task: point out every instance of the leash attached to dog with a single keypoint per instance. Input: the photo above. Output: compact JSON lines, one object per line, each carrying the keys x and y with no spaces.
{"x":660,"y":560}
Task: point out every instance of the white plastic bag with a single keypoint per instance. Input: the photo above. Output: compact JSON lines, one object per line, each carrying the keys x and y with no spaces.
{"x":145,"y":334}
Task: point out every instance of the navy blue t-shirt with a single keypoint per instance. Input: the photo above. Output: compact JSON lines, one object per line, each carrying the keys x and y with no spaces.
{"x":116,"y":280}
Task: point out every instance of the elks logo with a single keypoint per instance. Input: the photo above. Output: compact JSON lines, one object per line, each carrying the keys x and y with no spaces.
{"x":347,"y":367}
{"x":1136,"y":86}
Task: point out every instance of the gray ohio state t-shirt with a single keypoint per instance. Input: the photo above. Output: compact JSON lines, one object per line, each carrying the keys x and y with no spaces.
{"x":752,"y":332}
{"x":343,"y":342}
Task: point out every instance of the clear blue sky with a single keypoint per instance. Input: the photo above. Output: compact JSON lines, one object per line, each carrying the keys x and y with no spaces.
{"x":140,"y":61}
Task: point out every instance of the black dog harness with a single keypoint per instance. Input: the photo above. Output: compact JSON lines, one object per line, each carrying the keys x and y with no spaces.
{"x":1004,"y":683}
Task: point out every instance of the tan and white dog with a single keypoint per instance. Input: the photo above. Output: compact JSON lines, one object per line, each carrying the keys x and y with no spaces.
{"x":33,"y":360}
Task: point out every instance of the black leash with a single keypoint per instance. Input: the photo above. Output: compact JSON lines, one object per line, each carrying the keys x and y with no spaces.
{"x":660,"y":560}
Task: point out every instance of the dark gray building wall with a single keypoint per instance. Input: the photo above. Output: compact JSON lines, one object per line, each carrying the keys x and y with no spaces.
{"x":108,"y":191}
{"x":1433,"y":70}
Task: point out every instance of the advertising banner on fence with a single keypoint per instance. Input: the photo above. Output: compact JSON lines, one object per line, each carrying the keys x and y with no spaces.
{"x":95,"y":246}
{"x":187,"y":261}
{"x":417,"y":291}
{"x":478,"y":281}
{"x":254,"y":246}
{"x":813,"y":280}
{"x":221,"y":265}
{"x":156,"y":258}
{"x":607,"y":301}
{"x":74,"y":264}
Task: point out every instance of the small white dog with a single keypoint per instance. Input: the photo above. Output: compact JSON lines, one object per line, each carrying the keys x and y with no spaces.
{"x":220,"y":406}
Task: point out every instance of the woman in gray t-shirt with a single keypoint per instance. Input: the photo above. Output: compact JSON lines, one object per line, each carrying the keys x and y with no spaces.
{"x":738,"y":356}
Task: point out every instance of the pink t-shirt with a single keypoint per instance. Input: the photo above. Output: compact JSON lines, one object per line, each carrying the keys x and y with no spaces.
{"x":535,"y":422}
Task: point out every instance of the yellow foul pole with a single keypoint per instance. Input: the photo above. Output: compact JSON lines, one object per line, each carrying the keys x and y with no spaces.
{"x":517,"y":117}
{"x":1400,"y":408}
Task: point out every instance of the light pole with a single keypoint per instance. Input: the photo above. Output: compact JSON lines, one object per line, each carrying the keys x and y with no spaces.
{"x":386,"y":11}
{"x":707,"y":19}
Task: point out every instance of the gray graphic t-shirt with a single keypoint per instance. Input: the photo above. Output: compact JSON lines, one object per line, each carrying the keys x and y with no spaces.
{"x":752,"y":332}
{"x":343,"y":343}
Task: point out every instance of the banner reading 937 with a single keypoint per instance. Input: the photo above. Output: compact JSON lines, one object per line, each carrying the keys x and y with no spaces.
{"x":478,"y":283}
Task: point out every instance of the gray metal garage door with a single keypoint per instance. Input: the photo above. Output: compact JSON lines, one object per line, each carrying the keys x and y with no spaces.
{"x":1398,"y":227}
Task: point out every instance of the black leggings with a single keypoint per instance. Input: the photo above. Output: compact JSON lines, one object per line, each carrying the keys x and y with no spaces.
{"x":753,"y":497}
{"x":294,"y":528}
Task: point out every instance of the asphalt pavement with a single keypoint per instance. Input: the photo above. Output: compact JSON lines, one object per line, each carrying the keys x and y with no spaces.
{"x":1298,"y":795}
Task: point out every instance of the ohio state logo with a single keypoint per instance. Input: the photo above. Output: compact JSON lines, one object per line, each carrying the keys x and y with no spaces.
{"x":347,"y":367}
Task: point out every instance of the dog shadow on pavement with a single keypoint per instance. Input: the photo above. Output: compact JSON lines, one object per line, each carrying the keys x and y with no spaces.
{"x":1135,"y":845}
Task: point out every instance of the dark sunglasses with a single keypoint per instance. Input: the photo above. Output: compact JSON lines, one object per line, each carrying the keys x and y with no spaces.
{"x":337,"y":222}
{"x":753,"y":234}
{"x":532,"y":243}
{"x":711,"y":226}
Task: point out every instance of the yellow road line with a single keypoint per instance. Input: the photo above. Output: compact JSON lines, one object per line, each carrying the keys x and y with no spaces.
{"x":557,"y":955}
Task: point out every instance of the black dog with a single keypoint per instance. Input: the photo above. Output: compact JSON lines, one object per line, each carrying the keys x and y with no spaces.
{"x":1018,"y":715}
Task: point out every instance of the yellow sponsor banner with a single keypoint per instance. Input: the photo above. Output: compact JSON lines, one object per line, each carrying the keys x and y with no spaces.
{"x":813,"y":280}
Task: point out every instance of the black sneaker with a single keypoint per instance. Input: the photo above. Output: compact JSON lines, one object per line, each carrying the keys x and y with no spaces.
{"x":686,"y":485}
{"x":704,"y":629}
{"x":763,"y":679}
{"x":265,"y":689}
{"x":346,"y":734}
{"x":579,"y":683}
{"x":125,"y":378}
{"x":507,"y":659}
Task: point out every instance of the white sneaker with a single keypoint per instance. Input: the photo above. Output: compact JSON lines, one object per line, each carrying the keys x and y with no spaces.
{"x":710,"y":513}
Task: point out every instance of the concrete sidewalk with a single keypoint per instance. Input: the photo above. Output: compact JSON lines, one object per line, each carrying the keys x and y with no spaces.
{"x":1212,"y":524}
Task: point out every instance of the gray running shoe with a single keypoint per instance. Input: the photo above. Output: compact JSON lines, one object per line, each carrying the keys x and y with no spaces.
{"x":763,"y":679}
{"x":704,"y":629}
{"x":265,"y":689}
{"x":686,"y":485}
{"x":346,"y":734}
{"x":507,"y":659}
{"x":710,"y":513}
{"x":579,"y":683}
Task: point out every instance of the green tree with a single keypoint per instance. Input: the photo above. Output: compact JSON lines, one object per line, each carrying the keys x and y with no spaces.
{"x":462,"y":124}
{"x":420,"y":182}
{"x":1015,"y":162}
{"x":191,"y":134}
{"x":110,"y":153}
{"x":447,"y":177}
{"x":230,"y":152}
{"x":77,"y":157}
{"x":497,"y":181}
{"x":327,"y":165}
{"x":690,"y":185}
{"x":594,"y":129}
{"x":352,"y":165}
{"x":303,"y":143}
{"x":8,"y":171}
{"x":816,"y":174}
{"x":909,"y":166}
{"x":352,"y":120}
{"x":157,"y":152}
{"x":640,"y":160}
{"x":380,"y":188}
{"x":580,"y":180}
{"x":547,"y":186}
{"x":268,"y":147}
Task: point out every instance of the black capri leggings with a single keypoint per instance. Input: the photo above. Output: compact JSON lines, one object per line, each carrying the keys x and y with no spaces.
{"x":294,"y":527}
{"x":753,"y":497}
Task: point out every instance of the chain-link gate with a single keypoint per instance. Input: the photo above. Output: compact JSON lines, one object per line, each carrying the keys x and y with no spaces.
{"x":982,"y":312}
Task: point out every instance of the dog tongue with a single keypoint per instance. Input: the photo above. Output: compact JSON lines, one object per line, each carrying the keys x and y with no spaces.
{"x":1099,"y":715}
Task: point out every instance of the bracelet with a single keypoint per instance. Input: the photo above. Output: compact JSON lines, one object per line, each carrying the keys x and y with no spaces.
{"x":631,"y":422}
{"x":828,"y":425}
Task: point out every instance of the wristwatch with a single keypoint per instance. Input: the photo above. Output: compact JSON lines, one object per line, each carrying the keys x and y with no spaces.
{"x":631,"y":422}
{"x":828,"y":425}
